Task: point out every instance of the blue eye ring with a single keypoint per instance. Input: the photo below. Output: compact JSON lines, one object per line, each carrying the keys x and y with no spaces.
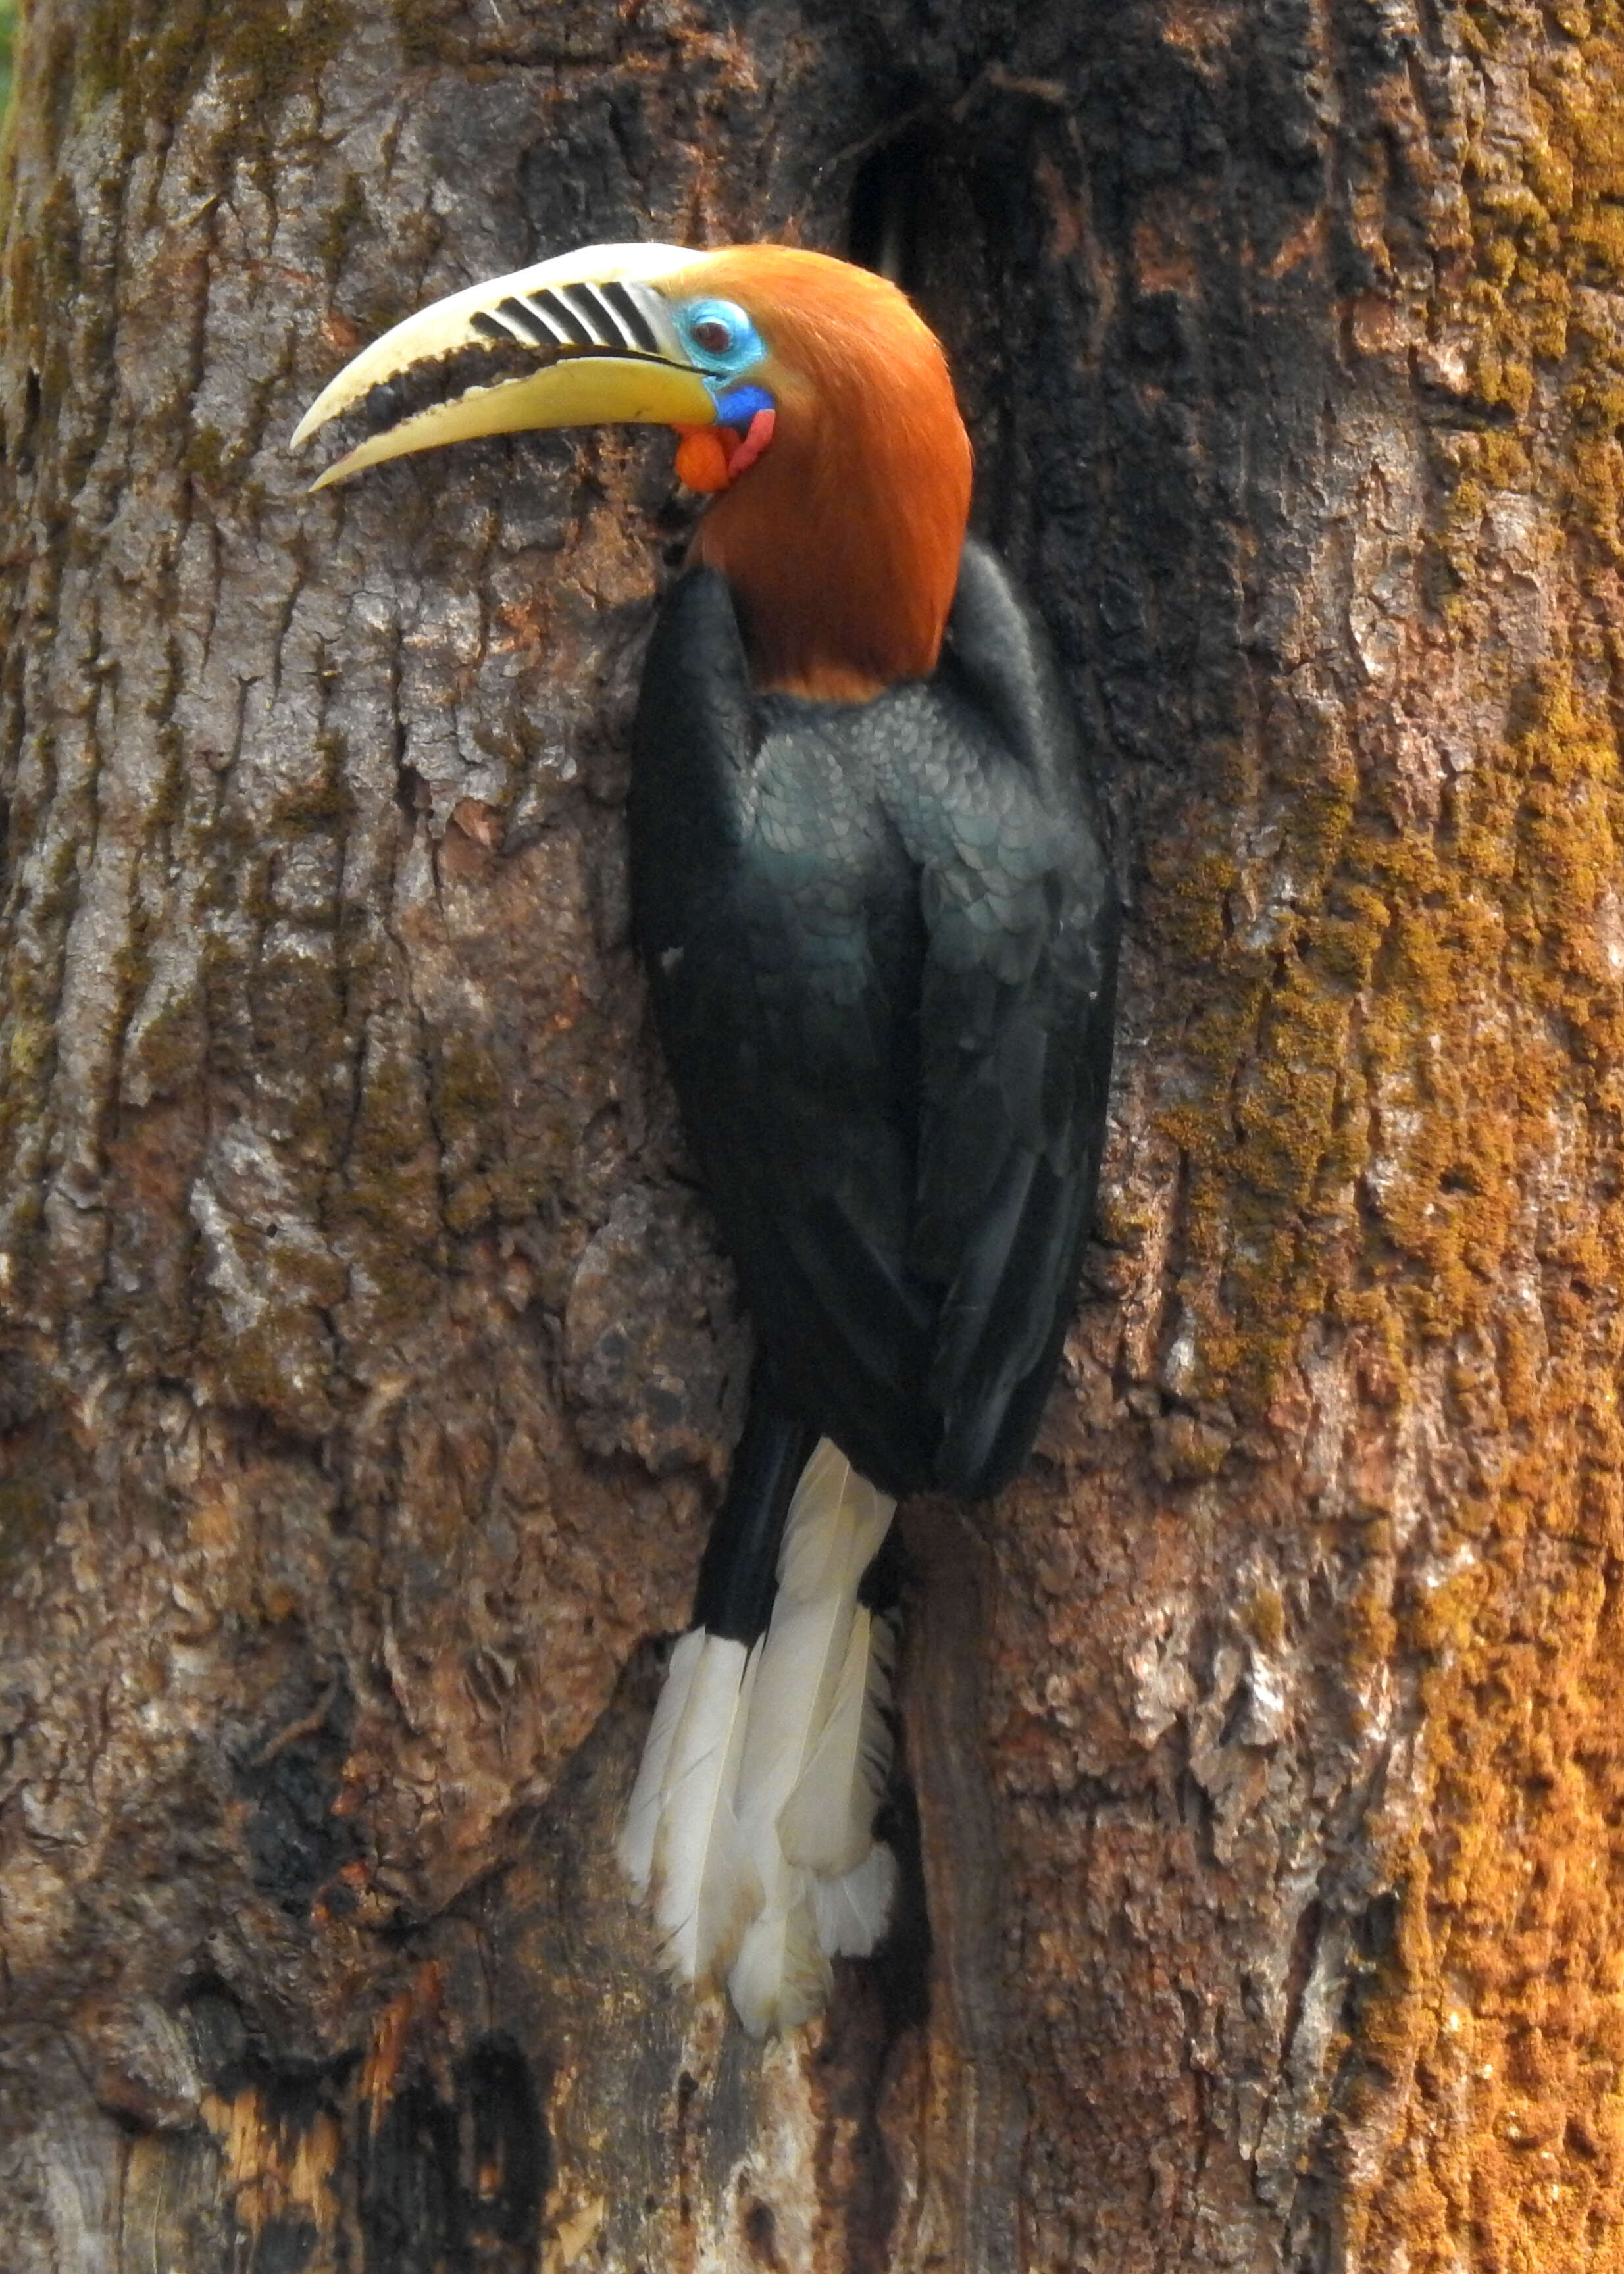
{"x":719,"y":336}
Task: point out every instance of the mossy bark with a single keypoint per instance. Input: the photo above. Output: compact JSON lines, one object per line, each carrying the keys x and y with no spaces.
{"x":368,"y":1364}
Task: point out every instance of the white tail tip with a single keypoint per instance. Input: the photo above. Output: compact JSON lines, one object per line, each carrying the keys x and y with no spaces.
{"x":751,"y":1823}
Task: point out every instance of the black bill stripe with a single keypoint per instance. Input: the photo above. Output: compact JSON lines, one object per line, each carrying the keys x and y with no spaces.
{"x":522,"y":318}
{"x":600,"y":320}
{"x":559,"y":313}
{"x":634,"y":322}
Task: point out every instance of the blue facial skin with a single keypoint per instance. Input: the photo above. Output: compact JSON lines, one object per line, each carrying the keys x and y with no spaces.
{"x":739,"y":405}
{"x":723,"y":344}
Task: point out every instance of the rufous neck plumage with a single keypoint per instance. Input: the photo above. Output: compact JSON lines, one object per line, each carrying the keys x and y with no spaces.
{"x":841,"y":538}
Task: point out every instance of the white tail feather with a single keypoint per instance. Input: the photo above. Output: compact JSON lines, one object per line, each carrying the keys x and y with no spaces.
{"x":636,"y":1845}
{"x":827,"y":1823}
{"x":781,"y":1977}
{"x":705,"y":1887}
{"x":853,"y":1913}
{"x":836,"y":1523}
{"x":835,"y":1526}
{"x":752,"y":1817}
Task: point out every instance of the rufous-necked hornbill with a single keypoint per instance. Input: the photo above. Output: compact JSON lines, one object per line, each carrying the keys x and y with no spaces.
{"x":878,"y":929}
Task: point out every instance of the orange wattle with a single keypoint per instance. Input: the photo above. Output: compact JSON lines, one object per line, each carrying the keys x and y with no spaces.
{"x":702,"y":458}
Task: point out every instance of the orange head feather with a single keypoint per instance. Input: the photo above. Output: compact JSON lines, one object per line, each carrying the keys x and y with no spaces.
{"x":839,"y":531}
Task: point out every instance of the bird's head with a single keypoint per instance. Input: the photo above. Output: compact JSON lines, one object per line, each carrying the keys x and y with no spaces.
{"x":811,"y":400}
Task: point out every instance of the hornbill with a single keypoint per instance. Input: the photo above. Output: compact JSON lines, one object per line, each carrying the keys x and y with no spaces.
{"x":870,"y":896}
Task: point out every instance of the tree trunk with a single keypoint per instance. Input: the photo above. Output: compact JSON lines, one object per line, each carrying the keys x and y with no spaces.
{"x":368,"y":1364}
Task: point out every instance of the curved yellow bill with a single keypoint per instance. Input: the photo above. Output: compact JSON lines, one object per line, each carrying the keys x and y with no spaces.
{"x":606,"y":349}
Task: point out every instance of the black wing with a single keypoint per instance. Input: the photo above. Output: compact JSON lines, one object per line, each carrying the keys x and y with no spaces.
{"x":1016,"y":1026}
{"x":879,"y":938}
{"x":775,"y":911}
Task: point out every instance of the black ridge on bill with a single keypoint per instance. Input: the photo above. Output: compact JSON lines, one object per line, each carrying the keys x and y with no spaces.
{"x":425,"y":386}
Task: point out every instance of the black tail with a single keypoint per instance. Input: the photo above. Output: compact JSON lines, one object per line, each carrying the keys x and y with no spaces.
{"x":738,"y":1577}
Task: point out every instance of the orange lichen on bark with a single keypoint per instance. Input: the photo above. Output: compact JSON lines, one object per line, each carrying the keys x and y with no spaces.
{"x":1503,"y":1993}
{"x":1503,"y":1997}
{"x":1401,"y":1120}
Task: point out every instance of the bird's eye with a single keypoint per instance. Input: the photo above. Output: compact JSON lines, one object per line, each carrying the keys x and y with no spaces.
{"x":721,"y":336}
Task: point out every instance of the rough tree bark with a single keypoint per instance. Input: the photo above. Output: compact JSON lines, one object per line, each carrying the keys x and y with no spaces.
{"x":368,"y":1365}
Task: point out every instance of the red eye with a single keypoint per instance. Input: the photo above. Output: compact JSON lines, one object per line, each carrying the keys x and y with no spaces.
{"x":711,"y":333}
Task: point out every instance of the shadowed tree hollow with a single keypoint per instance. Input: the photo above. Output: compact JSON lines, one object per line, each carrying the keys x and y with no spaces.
{"x":367,"y":1365}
